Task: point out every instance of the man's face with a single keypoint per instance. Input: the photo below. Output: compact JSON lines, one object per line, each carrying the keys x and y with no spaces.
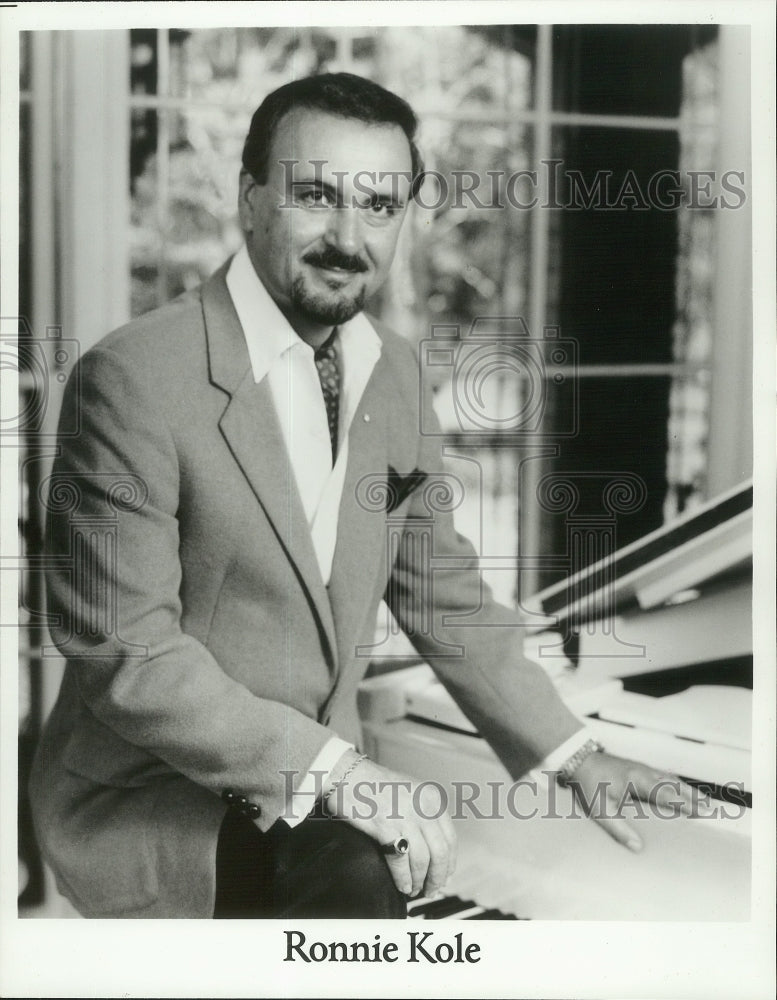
{"x":321,"y":233}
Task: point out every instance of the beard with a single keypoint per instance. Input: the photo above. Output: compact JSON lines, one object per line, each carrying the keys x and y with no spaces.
{"x":325,"y":309}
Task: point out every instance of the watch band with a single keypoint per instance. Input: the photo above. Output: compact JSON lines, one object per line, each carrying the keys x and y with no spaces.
{"x":568,"y":768}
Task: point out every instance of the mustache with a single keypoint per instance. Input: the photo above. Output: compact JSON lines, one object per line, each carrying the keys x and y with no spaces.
{"x":332,"y":257}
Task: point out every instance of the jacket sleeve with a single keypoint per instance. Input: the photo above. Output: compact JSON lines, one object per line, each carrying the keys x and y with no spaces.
{"x":113,"y":590}
{"x":434,"y":589}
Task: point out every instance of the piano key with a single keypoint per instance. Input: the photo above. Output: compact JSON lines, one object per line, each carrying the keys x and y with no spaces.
{"x":416,"y":906}
{"x":436,"y":909}
{"x":495,"y":915}
{"x":466,"y":908}
{"x":455,"y":908}
{"x":465,"y":914}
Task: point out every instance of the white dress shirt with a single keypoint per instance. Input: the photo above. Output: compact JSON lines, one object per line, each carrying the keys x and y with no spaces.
{"x":279,"y":355}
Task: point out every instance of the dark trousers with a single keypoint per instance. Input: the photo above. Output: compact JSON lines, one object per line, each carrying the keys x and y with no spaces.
{"x":320,"y":868}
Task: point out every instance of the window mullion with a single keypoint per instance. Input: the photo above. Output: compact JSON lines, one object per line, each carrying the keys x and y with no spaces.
{"x":163,"y":161}
{"x":529,"y":513}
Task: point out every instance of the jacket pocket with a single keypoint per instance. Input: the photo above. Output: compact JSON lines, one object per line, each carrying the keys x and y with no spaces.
{"x":100,"y":849}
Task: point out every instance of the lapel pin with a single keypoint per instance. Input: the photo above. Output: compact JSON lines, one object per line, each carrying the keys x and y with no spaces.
{"x":366,"y":418}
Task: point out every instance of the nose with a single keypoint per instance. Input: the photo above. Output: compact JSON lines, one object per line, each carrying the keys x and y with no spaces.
{"x":344,"y":229}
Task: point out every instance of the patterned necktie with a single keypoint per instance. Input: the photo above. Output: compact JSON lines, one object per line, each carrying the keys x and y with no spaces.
{"x":329,"y":376}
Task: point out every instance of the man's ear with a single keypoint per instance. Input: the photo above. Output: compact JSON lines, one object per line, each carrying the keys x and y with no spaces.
{"x":245,"y":209}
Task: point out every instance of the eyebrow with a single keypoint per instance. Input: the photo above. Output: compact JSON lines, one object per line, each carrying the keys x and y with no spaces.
{"x":318,"y":184}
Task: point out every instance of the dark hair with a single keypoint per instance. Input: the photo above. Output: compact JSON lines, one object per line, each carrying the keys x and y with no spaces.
{"x":342,"y":94}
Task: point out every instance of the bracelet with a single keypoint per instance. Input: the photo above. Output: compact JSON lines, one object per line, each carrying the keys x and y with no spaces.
{"x":568,"y":768}
{"x":356,"y":761}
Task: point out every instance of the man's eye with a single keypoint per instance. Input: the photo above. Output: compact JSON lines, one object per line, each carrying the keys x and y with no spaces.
{"x":382,"y":209}
{"x":315,"y":199}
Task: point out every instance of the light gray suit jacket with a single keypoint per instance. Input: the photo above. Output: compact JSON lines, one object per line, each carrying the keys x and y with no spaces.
{"x":203,"y":650}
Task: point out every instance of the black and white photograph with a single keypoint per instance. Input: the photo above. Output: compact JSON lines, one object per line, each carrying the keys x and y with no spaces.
{"x":388,"y":491}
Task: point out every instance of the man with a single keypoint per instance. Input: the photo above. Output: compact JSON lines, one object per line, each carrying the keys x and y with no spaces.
{"x":215,"y":566}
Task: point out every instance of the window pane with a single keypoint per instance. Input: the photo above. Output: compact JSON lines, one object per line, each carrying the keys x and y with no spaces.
{"x":622,"y":428}
{"x":613,"y":69}
{"x":466,"y":71}
{"x":616,"y":246}
{"x":184,"y":216}
{"x":143,"y":61}
{"x":237,"y":66}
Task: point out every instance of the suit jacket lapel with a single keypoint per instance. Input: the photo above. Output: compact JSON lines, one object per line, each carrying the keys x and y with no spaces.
{"x":361,"y":528}
{"x":252,"y":431}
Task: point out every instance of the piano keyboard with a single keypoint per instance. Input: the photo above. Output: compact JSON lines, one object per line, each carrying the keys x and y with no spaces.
{"x":455,"y":908}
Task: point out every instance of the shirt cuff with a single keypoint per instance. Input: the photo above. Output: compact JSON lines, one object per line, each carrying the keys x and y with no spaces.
{"x":556,"y":758}
{"x":310,"y":789}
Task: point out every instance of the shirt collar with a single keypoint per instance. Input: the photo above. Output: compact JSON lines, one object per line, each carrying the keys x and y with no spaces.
{"x":268,"y":333}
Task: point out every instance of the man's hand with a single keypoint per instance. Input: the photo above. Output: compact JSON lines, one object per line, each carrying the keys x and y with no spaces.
{"x":603,"y":783}
{"x":386,"y":805}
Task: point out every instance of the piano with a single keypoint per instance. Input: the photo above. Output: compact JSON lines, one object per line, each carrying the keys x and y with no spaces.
{"x":652,"y":647}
